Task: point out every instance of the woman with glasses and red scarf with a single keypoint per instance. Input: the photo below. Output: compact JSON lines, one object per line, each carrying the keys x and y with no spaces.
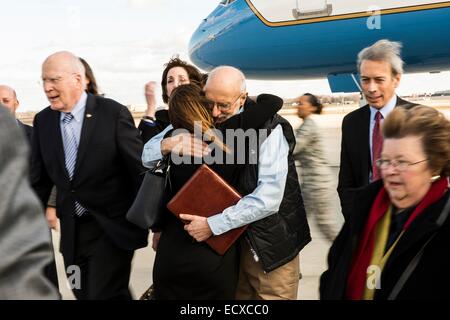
{"x":396,"y":243}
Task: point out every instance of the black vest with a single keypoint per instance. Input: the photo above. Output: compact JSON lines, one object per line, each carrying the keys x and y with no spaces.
{"x":278,"y":238}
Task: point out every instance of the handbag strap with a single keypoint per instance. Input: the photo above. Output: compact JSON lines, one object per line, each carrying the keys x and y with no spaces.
{"x":415,"y":261}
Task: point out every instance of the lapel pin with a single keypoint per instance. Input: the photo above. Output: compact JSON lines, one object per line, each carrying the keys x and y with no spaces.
{"x":88,"y":115}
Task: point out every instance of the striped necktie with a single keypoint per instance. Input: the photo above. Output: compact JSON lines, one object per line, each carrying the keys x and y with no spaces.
{"x":70,"y":152}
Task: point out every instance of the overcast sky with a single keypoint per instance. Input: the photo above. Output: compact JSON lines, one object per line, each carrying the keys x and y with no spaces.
{"x":126,"y":42}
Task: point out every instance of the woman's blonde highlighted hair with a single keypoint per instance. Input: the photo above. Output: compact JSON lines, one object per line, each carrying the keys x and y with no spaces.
{"x":429,"y":124}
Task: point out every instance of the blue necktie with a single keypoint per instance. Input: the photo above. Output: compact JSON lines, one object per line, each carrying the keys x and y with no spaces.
{"x":70,"y":152}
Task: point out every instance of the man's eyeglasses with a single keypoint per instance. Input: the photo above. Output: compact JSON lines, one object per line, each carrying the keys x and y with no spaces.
{"x":400,"y":165}
{"x":223,"y":106}
{"x":54,"y":80}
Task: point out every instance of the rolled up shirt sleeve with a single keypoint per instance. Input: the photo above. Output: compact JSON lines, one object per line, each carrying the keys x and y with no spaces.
{"x":265,"y":200}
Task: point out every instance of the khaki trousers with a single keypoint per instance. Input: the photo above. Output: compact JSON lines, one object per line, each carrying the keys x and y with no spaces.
{"x":254,"y":284}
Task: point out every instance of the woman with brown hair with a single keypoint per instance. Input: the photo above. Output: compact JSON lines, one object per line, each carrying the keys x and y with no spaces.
{"x":91,"y":83}
{"x":396,"y":243}
{"x":176,"y":72}
{"x":185,"y":268}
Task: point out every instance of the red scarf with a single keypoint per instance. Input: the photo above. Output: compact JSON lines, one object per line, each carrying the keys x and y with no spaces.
{"x":357,"y":277}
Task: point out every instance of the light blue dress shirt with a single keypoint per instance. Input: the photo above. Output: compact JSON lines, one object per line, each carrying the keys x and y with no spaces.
{"x":263,"y":201}
{"x":78,"y":118}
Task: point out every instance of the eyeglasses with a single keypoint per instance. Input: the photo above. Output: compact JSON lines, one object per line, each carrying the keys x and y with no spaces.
{"x":400,"y":165}
{"x":54,"y":80}
{"x":223,"y":106}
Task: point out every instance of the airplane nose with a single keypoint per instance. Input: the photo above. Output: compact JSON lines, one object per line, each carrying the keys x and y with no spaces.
{"x":198,"y":39}
{"x":205,"y":38}
{"x":215,"y":41}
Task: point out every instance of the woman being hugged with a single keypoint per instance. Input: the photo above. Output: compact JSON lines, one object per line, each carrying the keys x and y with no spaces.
{"x":185,"y":268}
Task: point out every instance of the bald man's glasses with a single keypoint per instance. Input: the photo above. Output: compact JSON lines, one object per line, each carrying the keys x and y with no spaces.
{"x":222,"y":106}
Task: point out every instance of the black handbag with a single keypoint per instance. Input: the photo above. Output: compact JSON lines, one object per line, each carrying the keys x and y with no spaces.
{"x":148,"y":207}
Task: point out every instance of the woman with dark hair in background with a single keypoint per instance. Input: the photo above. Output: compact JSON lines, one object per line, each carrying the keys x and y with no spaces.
{"x":176,"y":72}
{"x":316,"y":176}
{"x":91,"y":83}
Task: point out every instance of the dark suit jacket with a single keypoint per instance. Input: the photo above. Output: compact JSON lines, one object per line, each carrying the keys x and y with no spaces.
{"x":28,"y":131}
{"x":356,"y":164}
{"x":429,"y":280}
{"x":107,"y":172}
{"x":148,"y":130}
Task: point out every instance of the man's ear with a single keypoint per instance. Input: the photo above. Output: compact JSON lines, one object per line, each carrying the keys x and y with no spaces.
{"x":397,"y":79}
{"x":243,"y":98}
{"x":79,"y":80}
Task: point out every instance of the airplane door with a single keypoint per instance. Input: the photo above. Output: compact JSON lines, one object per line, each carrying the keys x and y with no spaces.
{"x":307,"y":9}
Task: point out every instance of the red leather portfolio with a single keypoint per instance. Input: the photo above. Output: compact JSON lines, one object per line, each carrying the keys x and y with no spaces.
{"x":206,"y":194}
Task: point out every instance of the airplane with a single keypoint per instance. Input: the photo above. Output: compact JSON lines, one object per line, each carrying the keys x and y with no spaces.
{"x":307,"y":39}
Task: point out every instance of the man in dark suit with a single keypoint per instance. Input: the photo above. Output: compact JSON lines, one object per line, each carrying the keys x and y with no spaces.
{"x":380,"y":67}
{"x":88,"y":147}
{"x":8,"y":98}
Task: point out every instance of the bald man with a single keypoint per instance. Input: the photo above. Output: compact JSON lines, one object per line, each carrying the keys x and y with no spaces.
{"x":272,"y":204}
{"x":9,"y":99}
{"x":88,"y":147}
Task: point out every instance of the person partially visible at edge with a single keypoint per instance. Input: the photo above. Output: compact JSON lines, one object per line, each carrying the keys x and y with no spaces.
{"x":176,"y":72}
{"x":395,"y":243}
{"x":316,"y":175}
{"x":272,"y":205}
{"x":9,"y":99}
{"x":380,"y":67}
{"x":25,"y":245}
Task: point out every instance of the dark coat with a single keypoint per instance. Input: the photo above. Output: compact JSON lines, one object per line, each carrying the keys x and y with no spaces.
{"x":278,"y":238}
{"x":107,"y":172}
{"x":429,"y":280}
{"x":149,"y":130}
{"x":28,"y":130}
{"x":356,"y":164}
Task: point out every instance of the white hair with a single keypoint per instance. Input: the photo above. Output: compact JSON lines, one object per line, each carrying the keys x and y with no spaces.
{"x":72,"y":62}
{"x":383,"y":50}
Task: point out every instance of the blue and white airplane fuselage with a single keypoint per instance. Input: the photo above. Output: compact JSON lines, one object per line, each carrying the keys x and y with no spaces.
{"x":289,"y":39}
